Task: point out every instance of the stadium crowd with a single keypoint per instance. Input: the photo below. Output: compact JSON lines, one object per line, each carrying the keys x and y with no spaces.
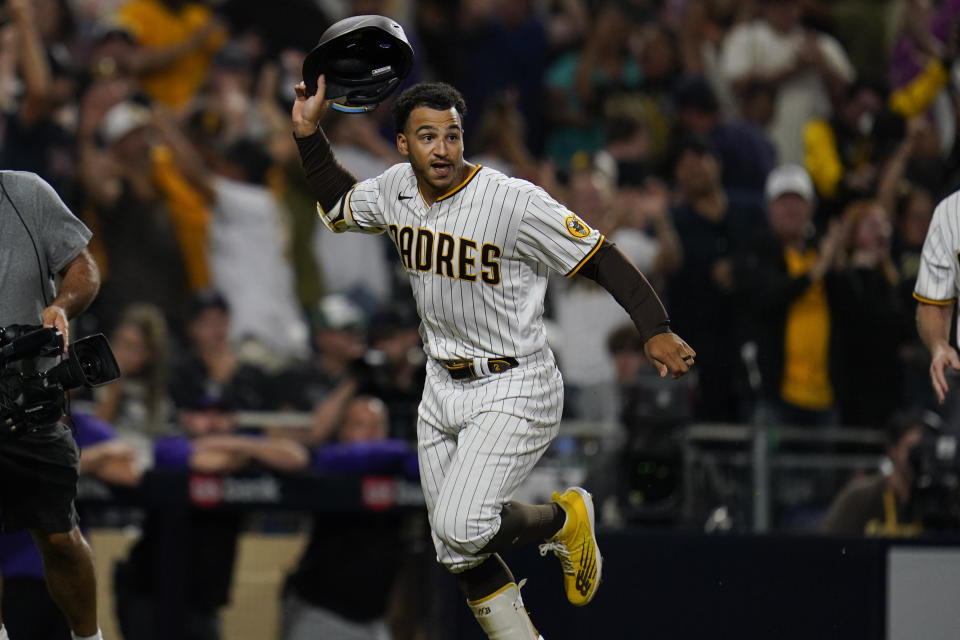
{"x":770,"y":165}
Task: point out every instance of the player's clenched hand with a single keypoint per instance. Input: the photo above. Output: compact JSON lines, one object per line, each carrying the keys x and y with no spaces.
{"x":669,"y":354}
{"x":943,"y":356}
{"x":307,"y":110}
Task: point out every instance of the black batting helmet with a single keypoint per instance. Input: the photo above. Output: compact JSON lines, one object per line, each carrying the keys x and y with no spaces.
{"x":363,"y":60}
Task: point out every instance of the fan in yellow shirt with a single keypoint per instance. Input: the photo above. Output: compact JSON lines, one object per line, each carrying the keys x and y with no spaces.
{"x":176,"y":40}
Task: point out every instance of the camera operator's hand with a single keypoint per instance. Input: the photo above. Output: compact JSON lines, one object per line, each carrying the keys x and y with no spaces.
{"x":55,"y":316}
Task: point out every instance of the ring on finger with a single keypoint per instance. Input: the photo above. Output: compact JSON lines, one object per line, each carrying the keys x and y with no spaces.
{"x":687,"y":358}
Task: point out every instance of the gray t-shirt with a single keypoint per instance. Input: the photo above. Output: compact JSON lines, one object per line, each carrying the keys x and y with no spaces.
{"x":59,"y":238}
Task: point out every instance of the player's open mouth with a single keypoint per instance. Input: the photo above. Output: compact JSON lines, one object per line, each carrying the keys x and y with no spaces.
{"x":441,"y":169}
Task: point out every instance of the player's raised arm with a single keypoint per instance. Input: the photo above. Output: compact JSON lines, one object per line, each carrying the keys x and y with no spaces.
{"x":613,"y":271}
{"x":328,"y":180}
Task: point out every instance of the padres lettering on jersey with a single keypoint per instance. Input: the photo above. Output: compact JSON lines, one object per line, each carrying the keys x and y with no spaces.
{"x":453,"y":257}
{"x":940,"y":259}
{"x":478,"y":258}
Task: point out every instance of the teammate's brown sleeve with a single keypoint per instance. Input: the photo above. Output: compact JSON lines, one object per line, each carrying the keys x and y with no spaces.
{"x":327,"y":178}
{"x":613,"y":271}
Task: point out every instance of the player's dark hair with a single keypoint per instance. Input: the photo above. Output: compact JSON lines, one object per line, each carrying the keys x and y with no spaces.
{"x":435,"y":95}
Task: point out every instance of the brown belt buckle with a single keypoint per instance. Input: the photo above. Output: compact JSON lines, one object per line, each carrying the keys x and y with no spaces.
{"x":459,"y":369}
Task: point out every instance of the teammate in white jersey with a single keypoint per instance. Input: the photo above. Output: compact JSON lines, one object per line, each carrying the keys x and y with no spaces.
{"x":478,"y":247}
{"x":936,"y":290}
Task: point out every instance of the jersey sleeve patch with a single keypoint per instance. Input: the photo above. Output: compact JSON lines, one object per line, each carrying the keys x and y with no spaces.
{"x":552,"y":235}
{"x":577,"y":227}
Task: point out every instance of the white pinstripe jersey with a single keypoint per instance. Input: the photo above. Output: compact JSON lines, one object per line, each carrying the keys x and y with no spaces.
{"x":478,"y":258}
{"x":937,"y":281}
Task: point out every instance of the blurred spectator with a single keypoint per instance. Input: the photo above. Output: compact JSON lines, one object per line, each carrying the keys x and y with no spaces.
{"x":758,"y":101}
{"x":137,"y":405}
{"x":362,"y":549}
{"x":650,"y":407}
{"x":806,"y":69}
{"x":151,"y":218}
{"x":500,"y":33}
{"x":659,"y":56}
{"x":579,"y":85}
{"x":787,"y":286}
{"x":914,"y":210}
{"x":212,"y":363}
{"x":876,"y":504}
{"x":869,"y":318}
{"x":745,"y":153}
{"x":643,"y":227}
{"x":712,"y":228}
{"x":231,"y":91}
{"x":500,"y":138}
{"x":704,"y":25}
{"x":197,"y":547}
{"x":28,"y":610}
{"x":326,"y":383}
{"x":566,"y":23}
{"x":584,"y":313}
{"x":236,"y":109}
{"x":625,"y":158}
{"x":864,"y":150}
{"x":176,"y":41}
{"x":109,"y":44}
{"x":281,"y":24}
{"x":398,"y":372}
{"x":247,"y":253}
{"x":36,"y":133}
{"x":436,"y":20}
{"x":922,"y":56}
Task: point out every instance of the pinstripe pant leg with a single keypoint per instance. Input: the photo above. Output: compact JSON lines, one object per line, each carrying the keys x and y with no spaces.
{"x":495,"y":453}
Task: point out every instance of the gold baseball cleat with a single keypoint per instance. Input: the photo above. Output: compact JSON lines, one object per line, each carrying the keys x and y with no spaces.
{"x":576,"y":546}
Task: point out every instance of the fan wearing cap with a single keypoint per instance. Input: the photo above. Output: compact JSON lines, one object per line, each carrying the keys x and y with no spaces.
{"x":787,"y":285}
{"x":334,"y":375}
{"x":712,"y":224}
{"x":202,"y":553}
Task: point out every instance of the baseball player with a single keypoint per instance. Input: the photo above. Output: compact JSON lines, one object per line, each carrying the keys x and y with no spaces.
{"x":478,"y":247}
{"x":936,"y":290}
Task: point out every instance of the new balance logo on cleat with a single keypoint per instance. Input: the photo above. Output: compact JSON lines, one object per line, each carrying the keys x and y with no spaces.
{"x":576,"y":547}
{"x":587,"y":572}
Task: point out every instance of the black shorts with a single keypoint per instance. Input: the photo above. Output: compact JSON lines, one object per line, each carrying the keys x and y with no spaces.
{"x":38,"y":480}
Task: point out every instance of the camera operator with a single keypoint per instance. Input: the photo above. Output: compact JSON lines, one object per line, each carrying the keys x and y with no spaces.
{"x":878,"y":504}
{"x":42,"y":239}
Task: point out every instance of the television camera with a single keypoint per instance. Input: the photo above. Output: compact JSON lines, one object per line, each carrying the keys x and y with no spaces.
{"x":935,"y":495}
{"x":32,"y":399}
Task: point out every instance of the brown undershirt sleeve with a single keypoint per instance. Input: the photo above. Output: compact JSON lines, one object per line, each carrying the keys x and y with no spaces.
{"x":613,"y":271}
{"x":327,"y":178}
